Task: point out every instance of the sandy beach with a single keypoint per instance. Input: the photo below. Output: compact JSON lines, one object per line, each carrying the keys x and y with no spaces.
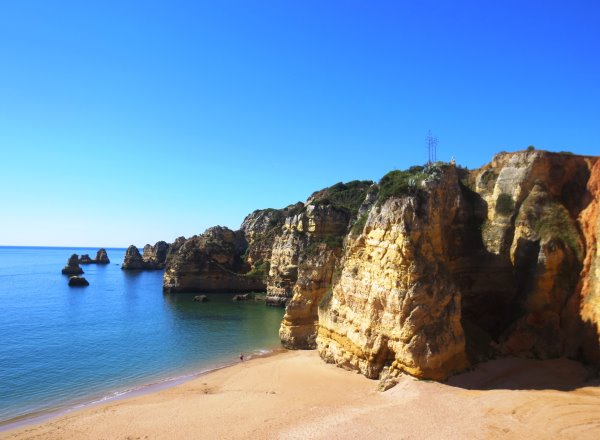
{"x":295,"y":395}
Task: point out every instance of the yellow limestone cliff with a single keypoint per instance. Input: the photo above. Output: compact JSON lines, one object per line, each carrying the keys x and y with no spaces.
{"x":458,"y":266}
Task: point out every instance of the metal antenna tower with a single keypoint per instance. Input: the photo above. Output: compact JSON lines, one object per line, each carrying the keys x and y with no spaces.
{"x":432,"y":143}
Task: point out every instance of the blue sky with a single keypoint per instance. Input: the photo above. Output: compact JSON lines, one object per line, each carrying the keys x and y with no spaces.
{"x":129,"y":122}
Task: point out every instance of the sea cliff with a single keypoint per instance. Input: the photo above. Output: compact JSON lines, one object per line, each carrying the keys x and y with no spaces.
{"x":429,"y":271}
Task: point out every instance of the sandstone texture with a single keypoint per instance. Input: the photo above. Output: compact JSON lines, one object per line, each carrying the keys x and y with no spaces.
{"x":455,"y":267}
{"x":395,"y":303}
{"x":305,"y":255}
{"x":428,"y":272}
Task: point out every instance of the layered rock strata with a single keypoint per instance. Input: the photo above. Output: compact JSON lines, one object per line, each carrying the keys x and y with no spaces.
{"x":395,"y":303}
{"x":434,"y":269}
{"x":305,"y":255}
{"x":455,"y":267}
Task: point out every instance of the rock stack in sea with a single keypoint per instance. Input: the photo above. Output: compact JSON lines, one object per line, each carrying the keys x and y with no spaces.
{"x":102,"y":257}
{"x":85,"y":259}
{"x":133,"y":259}
{"x":152,"y":257}
{"x":77,"y":281}
{"x":72,"y":267}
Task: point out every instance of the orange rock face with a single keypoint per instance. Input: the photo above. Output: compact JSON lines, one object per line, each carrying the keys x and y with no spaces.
{"x":590,"y":275}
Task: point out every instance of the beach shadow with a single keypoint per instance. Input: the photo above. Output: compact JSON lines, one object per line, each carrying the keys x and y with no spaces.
{"x":513,"y":373}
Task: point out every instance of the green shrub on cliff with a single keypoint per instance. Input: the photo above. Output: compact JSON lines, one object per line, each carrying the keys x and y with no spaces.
{"x":359,"y":224}
{"x":402,"y":183}
{"x":348,"y":196}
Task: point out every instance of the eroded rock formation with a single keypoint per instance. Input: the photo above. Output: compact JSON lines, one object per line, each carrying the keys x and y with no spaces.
{"x":444,"y":275}
{"x":222,"y":260}
{"x":305,"y":256}
{"x":395,"y":303}
{"x":212,"y":262}
{"x":432,"y":270}
{"x":152,"y":257}
{"x":102,"y":257}
{"x":85,"y":259}
{"x":156,"y":256}
{"x":133,"y":259}
{"x":72,"y":267}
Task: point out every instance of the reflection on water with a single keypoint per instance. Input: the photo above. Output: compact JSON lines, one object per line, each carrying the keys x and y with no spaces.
{"x":61,"y":345}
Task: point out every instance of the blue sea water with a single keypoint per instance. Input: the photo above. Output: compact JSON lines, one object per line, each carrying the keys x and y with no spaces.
{"x":62,"y":346}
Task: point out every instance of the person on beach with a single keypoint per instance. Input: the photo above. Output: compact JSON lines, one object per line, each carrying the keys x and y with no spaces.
{"x":242,"y":357}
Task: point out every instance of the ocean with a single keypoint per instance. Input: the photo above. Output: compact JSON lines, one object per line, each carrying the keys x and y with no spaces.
{"x":62,"y":347}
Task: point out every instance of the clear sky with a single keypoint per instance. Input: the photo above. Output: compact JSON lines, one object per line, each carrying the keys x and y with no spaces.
{"x":134,"y":121}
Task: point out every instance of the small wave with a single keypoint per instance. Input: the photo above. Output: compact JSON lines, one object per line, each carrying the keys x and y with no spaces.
{"x":157,"y":385}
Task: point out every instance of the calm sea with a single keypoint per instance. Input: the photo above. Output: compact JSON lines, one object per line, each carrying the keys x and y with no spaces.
{"x":62,"y":346}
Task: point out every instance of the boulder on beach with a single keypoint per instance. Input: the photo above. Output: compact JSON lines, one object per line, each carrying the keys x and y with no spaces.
{"x":201,"y":298}
{"x":76,"y":281}
{"x":242,"y":297}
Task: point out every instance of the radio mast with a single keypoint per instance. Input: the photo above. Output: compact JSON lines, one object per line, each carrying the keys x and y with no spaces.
{"x":432,"y":143}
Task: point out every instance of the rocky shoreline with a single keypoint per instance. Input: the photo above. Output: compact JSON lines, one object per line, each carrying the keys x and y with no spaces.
{"x":427,"y":272}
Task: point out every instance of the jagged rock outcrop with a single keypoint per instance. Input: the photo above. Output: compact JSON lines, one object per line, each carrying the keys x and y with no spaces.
{"x":173,"y":248}
{"x":155,"y":256}
{"x":133,"y":259}
{"x":72,"y":267}
{"x":221,"y":260}
{"x":453,"y":267}
{"x":152,"y":257}
{"x":212,"y":262}
{"x":260,"y":228}
{"x":102,"y":257}
{"x":85,"y":259}
{"x":305,"y":256}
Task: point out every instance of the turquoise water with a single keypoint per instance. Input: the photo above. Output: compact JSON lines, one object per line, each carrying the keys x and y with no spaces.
{"x":62,"y":346}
